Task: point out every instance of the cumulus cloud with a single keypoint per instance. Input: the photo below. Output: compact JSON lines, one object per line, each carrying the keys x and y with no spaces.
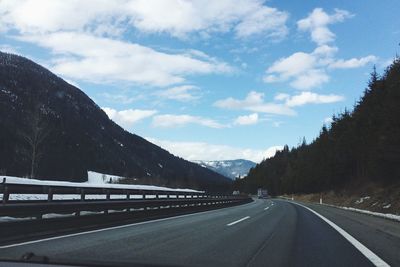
{"x":8,"y":49}
{"x":309,"y":70}
{"x":312,"y":98}
{"x":178,"y":18}
{"x":281,"y":96}
{"x":100,"y":59}
{"x":353,"y":62}
{"x":303,"y":69}
{"x":206,"y":151}
{"x":269,"y":21}
{"x":317,"y":24}
{"x":246,"y":119}
{"x":171,"y":120}
{"x":254,"y":102}
{"x":120,"y":98}
{"x":126,"y":118}
{"x":183,"y":93}
{"x":328,"y":120}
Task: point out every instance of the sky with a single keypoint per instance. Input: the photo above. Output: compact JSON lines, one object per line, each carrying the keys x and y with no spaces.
{"x":207,"y":79}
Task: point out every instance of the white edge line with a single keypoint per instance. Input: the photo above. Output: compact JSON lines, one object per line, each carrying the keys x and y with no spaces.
{"x":375,"y":259}
{"x":110,"y":228}
{"x":238,"y":221}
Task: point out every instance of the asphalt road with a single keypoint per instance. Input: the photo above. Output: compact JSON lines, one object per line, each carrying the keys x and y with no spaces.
{"x":261,"y":233}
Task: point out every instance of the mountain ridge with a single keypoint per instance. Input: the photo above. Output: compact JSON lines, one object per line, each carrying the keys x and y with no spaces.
{"x":78,"y":135}
{"x":237,"y":168}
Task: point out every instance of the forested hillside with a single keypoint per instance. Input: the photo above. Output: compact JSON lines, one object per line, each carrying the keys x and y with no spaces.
{"x":50,"y":129}
{"x":362,"y":146}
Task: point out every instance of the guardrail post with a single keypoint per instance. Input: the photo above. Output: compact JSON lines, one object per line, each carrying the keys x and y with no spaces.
{"x":50,"y":194}
{"x":128,"y":196}
{"x":108,"y":196}
{"x":82,"y":194}
{"x":6,"y":194}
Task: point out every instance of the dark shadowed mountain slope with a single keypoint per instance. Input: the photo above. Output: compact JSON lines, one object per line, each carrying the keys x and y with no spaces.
{"x":54,"y":125}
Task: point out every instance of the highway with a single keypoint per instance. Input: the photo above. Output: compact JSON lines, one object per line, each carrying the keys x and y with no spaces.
{"x":261,"y":233}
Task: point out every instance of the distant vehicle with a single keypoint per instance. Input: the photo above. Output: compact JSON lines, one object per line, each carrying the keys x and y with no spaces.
{"x":236,"y":193}
{"x":262,"y":193}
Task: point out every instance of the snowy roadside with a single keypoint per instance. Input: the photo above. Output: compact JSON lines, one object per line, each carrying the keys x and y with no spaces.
{"x":361,"y":200}
{"x":96,"y":180}
{"x":373,"y":213}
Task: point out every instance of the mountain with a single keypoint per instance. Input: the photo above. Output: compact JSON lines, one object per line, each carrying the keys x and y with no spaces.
{"x":358,"y":149}
{"x":229,"y":168}
{"x":52,"y":130}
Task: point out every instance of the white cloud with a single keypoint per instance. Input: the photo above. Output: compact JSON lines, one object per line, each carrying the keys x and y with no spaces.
{"x":206,"y":151}
{"x":281,"y":96}
{"x":8,"y":49}
{"x":317,"y":24}
{"x":269,"y":21}
{"x":171,"y":120}
{"x":247,"y":119}
{"x":353,"y":62}
{"x":126,"y":118}
{"x":99,"y":59}
{"x":312,"y":98}
{"x":303,"y":69}
{"x":178,"y":18}
{"x":310,"y":79}
{"x":120,"y":98}
{"x":328,"y":120}
{"x":183,"y":93}
{"x":254,"y":102}
{"x":309,"y":70}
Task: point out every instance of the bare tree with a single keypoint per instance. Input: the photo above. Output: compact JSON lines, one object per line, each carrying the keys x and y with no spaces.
{"x":34,"y":135}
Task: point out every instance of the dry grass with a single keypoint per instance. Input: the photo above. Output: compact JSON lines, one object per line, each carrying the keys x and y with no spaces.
{"x":370,"y":197}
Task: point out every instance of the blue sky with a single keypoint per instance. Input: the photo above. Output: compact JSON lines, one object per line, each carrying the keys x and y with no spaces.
{"x":210,"y":80}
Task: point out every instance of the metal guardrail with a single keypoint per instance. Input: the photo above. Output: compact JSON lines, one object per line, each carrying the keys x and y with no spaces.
{"x":144,"y":199}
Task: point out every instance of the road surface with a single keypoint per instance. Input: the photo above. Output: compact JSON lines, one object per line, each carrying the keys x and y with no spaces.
{"x":261,"y":233}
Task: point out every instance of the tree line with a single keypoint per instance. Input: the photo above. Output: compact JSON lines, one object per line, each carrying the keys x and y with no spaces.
{"x":361,"y":146}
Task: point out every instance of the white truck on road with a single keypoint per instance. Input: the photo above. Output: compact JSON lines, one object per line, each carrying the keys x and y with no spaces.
{"x":262,"y":193}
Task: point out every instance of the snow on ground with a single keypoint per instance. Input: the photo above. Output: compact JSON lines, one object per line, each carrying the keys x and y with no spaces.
{"x":373,"y":213}
{"x":378,"y":214}
{"x":101,"y":178}
{"x":361,"y":200}
{"x":95,"y":181}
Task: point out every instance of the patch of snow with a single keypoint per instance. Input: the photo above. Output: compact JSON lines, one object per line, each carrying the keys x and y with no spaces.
{"x":160,"y":165}
{"x":92,"y":184}
{"x":387,"y":206}
{"x":373,"y":213}
{"x":361,"y":200}
{"x":8,"y":219}
{"x":378,"y":214}
{"x":102,"y":178}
